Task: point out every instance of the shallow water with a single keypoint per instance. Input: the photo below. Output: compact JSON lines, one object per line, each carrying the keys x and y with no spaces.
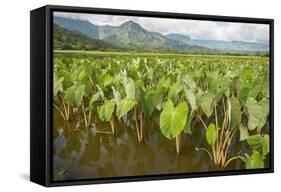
{"x":95,"y":153}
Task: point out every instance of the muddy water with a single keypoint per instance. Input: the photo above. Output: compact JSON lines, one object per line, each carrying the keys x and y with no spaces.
{"x":84,"y":153}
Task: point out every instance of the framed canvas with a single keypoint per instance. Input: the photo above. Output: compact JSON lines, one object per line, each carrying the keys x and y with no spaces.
{"x":123,"y":95}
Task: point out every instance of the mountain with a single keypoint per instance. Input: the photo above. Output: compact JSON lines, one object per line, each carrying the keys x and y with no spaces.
{"x":70,"y":40}
{"x":233,"y":46}
{"x":179,"y":38}
{"x":83,"y":26}
{"x":132,"y":36}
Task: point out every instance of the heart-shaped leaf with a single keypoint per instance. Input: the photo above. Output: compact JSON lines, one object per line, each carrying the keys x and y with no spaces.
{"x":105,"y":111}
{"x":124,"y":106}
{"x":211,"y":134}
{"x":173,"y":119}
{"x":74,"y":95}
{"x":205,"y":101}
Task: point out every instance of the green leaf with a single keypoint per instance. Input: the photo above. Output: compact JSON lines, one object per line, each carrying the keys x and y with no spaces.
{"x":255,"y":161}
{"x":124,"y":106}
{"x":175,"y":89}
{"x":259,"y":143}
{"x":243,"y":132}
{"x":58,"y":85}
{"x":205,"y":101}
{"x":257,"y":112}
{"x":163,"y":85}
{"x":187,"y":128}
{"x":93,"y":99}
{"x":116,"y":95}
{"x":266,"y":145}
{"x":173,"y":119}
{"x":105,"y":111}
{"x":74,"y":95}
{"x":236,"y":114}
{"x":130,"y":88}
{"x":264,"y":104}
{"x":255,"y":141}
{"x":105,"y":79}
{"x":254,"y":113}
{"x":211,"y":134}
{"x":148,"y":101}
{"x":191,"y":99}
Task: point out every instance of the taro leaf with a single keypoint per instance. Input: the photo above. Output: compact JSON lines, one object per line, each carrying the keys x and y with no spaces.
{"x":74,"y":95}
{"x":266,"y":147}
{"x":257,"y":112}
{"x":255,"y":141}
{"x":211,"y":134}
{"x":235,"y":113}
{"x":220,"y":86}
{"x":264,"y":104}
{"x":105,"y":111}
{"x":191,"y":99}
{"x":243,"y":132}
{"x":148,"y":100}
{"x":130,"y":88}
{"x":190,"y":82}
{"x":105,"y":79}
{"x":259,"y":143}
{"x":173,"y":119}
{"x":255,"y":161}
{"x":93,"y":99}
{"x":57,"y":85}
{"x":244,"y":92}
{"x":187,"y":128}
{"x":205,"y":101}
{"x":116,"y":95}
{"x":124,"y":106}
{"x":101,"y":93}
{"x":254,"y":113}
{"x":163,"y":85}
{"x":175,"y":89}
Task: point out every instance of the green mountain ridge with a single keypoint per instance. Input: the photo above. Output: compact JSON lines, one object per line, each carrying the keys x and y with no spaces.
{"x":132,"y":36}
{"x":70,"y":40}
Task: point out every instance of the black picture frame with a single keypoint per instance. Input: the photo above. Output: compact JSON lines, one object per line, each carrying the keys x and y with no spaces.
{"x":41,"y":87}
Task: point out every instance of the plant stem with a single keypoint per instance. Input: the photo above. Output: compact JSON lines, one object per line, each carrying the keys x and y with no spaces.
{"x":178,"y":143}
{"x":141,"y":126}
{"x":61,"y":113}
{"x":64,"y":107}
{"x":233,"y":158}
{"x":112,"y":126}
{"x":203,"y":149}
{"x":203,"y":122}
{"x":85,"y":116}
{"x":136,"y":122}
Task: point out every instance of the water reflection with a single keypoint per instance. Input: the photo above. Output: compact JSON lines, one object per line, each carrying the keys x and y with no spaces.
{"x":95,"y":153}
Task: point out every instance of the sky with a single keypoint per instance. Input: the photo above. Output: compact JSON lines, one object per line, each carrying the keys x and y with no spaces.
{"x":208,"y":30}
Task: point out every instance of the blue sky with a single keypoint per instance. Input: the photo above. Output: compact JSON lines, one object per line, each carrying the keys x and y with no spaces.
{"x":228,"y":31}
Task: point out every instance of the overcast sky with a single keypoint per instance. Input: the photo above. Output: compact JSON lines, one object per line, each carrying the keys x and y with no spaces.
{"x":210,"y":30}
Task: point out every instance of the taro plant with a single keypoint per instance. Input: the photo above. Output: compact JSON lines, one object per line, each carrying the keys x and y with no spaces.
{"x":59,"y":96}
{"x":219,"y":135}
{"x":173,"y":120}
{"x":105,"y":113}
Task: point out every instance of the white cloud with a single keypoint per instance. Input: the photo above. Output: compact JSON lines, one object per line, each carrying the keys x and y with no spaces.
{"x":194,"y":28}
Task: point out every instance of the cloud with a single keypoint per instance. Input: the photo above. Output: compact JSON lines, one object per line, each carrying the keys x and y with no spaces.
{"x":194,"y":28}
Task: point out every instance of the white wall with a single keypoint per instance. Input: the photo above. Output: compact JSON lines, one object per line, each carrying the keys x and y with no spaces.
{"x":14,"y":94}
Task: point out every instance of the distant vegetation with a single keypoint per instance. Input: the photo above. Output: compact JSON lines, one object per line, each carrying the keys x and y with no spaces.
{"x":130,"y":36}
{"x":70,"y":40}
